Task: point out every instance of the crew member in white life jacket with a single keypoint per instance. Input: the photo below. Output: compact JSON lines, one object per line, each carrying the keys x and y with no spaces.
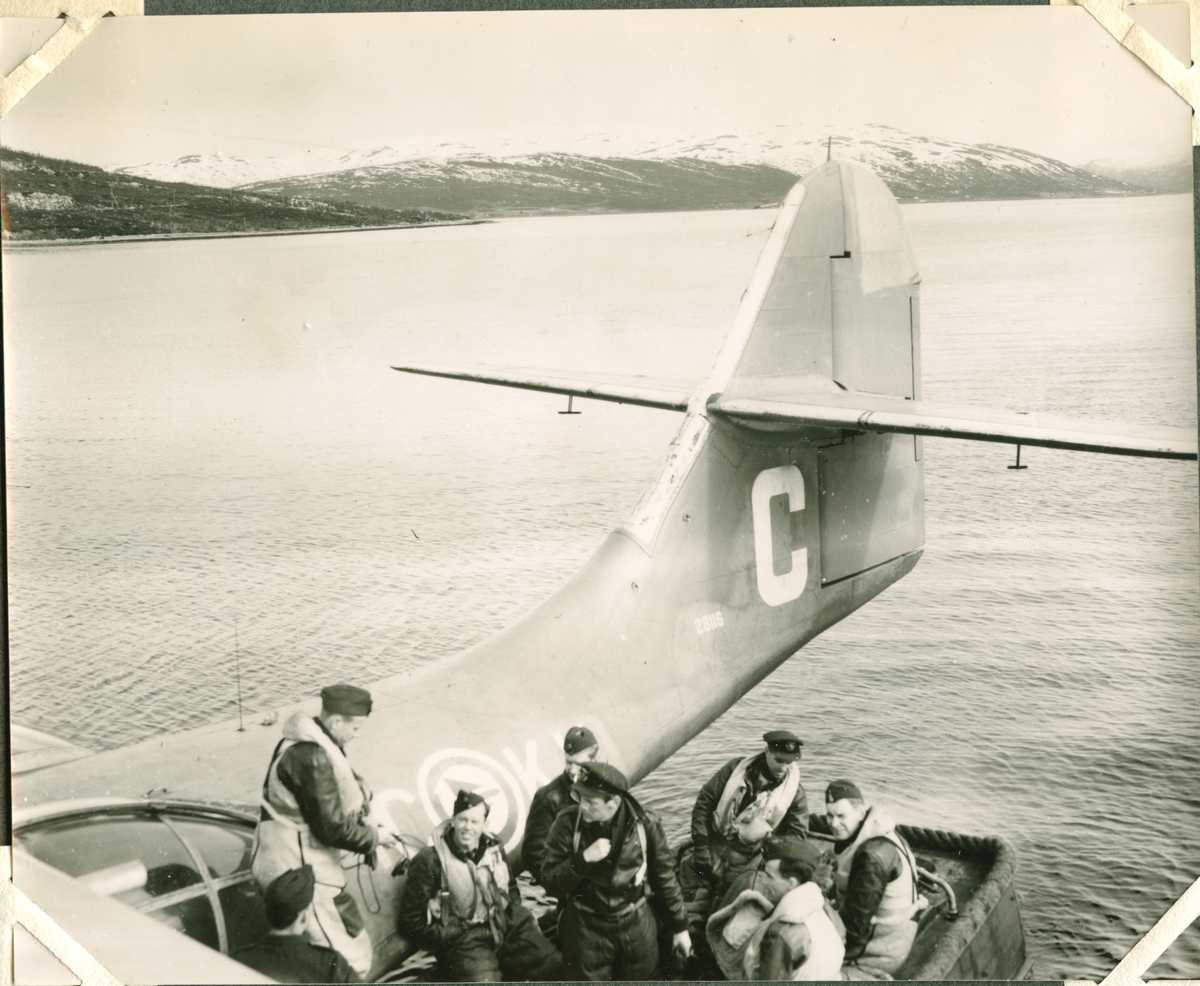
{"x":774,"y":922}
{"x":876,"y":884}
{"x":462,"y":902}
{"x":316,"y":812}
{"x":744,"y":802}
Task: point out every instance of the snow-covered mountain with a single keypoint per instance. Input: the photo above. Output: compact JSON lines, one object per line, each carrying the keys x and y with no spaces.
{"x":491,"y":175}
{"x":1165,"y":178}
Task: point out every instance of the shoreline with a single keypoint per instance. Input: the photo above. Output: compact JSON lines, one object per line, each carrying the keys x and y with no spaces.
{"x":10,"y":243}
{"x":7,"y":242}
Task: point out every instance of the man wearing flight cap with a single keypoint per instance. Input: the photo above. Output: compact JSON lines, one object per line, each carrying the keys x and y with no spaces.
{"x":462,"y":902}
{"x":876,"y":881}
{"x":315,"y":809}
{"x":602,"y":856}
{"x":744,"y":802}
{"x":774,"y":922}
{"x":580,"y":747}
{"x":285,"y":953}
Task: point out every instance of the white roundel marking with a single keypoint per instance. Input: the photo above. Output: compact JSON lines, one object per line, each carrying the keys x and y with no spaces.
{"x":445,"y":773}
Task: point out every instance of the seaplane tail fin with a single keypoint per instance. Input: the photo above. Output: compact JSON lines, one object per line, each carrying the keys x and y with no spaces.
{"x":669,"y":395}
{"x":832,"y":306}
{"x":750,"y":542}
{"x":867,"y":413}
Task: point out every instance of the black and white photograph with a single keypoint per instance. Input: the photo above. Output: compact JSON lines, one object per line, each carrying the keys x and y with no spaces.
{"x":577,"y":495}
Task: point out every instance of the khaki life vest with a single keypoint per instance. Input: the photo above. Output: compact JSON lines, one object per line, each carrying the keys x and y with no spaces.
{"x":766,"y":811}
{"x":736,"y":932}
{"x":283,"y":840}
{"x":895,"y":926}
{"x":478,"y":891}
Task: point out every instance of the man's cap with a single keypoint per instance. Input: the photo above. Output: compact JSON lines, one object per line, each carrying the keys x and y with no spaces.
{"x":791,"y":847}
{"x":346,"y":700}
{"x":603,"y":778}
{"x":782,"y":741}
{"x":469,"y":799}
{"x":288,"y":895}
{"x":842,"y":789}
{"x":579,"y":738}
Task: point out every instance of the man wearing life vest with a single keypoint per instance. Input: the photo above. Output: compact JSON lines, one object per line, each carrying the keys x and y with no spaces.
{"x":315,"y":812}
{"x":603,"y":856}
{"x":876,"y":883}
{"x":462,"y":902}
{"x":774,"y":922}
{"x":744,"y":802}
{"x":579,"y":748}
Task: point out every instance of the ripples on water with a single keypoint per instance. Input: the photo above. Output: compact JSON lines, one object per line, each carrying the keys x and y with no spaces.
{"x":203,"y":433}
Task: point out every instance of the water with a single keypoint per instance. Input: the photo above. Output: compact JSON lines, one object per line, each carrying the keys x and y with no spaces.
{"x":205,"y":435}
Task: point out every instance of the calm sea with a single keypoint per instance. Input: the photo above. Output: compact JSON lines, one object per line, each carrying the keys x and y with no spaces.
{"x":211,"y":467}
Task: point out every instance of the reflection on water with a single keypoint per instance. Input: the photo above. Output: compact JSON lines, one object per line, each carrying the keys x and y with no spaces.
{"x":207,"y":434}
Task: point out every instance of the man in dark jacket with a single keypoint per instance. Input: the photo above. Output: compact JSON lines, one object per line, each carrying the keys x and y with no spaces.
{"x":579,"y":748}
{"x":315,"y":810}
{"x":876,"y":883}
{"x":744,"y":802}
{"x":286,"y":954}
{"x":463,"y":904}
{"x":602,"y":858}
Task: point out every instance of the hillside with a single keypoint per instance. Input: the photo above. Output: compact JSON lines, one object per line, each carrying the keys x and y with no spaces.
{"x":548,"y":183}
{"x":1166,"y":179}
{"x":50,"y":199}
{"x":513,"y":174}
{"x":553,"y":183}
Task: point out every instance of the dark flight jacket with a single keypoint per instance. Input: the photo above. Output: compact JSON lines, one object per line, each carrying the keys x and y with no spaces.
{"x":606,"y":887}
{"x":294,"y":959}
{"x":425,"y":882}
{"x":547,"y":802}
{"x":758,"y":779}
{"x":305,"y":770}
{"x":876,"y":864}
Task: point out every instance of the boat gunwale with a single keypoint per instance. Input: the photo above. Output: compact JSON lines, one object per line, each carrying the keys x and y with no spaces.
{"x":975,"y":913}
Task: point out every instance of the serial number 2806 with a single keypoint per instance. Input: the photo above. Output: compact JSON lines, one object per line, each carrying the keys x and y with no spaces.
{"x":709,"y":622}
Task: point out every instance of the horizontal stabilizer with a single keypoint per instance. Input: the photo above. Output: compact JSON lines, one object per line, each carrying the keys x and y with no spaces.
{"x":670,"y":395}
{"x":32,"y":750}
{"x":863,"y":412}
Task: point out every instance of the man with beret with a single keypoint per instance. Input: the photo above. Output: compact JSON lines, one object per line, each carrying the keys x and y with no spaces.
{"x":285,"y":953}
{"x":876,"y":883}
{"x":774,"y":922}
{"x":579,"y":748}
{"x":315,"y":809}
{"x":462,"y":902}
{"x":744,"y":802}
{"x":603,"y":855}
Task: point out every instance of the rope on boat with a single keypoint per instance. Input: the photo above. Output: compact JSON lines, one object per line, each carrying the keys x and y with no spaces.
{"x":976,"y":911}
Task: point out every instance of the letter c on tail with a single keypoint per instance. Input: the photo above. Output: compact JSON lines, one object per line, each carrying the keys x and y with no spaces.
{"x":772,"y":532}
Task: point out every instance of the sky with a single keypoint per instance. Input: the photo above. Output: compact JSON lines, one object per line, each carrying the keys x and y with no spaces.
{"x":152,"y":89}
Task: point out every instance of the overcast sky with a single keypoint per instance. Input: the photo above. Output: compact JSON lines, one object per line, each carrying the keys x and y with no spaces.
{"x":151,"y":89}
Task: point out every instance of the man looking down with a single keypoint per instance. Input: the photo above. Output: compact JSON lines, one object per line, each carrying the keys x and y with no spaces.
{"x":462,"y":903}
{"x":602,"y":856}
{"x":315,"y":808}
{"x":744,"y":802}
{"x":876,"y":880}
{"x":775,"y":922}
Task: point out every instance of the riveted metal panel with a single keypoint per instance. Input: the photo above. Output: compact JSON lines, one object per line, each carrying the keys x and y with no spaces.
{"x":872,"y":508}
